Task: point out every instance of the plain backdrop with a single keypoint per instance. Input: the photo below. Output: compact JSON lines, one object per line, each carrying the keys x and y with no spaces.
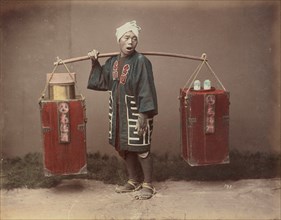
{"x":241,"y":40}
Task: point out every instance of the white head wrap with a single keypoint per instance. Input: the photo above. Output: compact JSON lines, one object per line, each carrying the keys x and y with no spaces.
{"x":129,"y":26}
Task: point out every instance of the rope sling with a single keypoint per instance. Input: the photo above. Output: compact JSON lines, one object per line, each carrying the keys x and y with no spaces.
{"x":59,"y":62}
{"x":196,"y":72}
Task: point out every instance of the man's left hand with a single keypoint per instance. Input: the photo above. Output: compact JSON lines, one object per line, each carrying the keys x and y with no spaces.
{"x":141,"y":124}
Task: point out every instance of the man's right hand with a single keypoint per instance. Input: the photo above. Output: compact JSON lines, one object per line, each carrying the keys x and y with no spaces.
{"x":93,"y":55}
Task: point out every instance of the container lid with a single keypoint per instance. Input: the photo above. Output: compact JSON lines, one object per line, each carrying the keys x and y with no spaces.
{"x":61,"y":78}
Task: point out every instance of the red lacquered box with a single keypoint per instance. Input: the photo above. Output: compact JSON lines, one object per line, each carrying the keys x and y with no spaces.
{"x":64,"y":136}
{"x":204,"y":124}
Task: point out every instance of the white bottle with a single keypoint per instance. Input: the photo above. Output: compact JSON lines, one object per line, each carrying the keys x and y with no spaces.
{"x":207,"y":84}
{"x":197,"y":85}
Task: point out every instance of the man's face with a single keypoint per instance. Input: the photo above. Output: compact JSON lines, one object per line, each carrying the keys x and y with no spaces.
{"x":128,"y":43}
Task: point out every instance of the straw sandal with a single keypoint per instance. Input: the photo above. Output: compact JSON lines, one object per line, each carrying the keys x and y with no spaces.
{"x":146,"y":192}
{"x":130,"y":186}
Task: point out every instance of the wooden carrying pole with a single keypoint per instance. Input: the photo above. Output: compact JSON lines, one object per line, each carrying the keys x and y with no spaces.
{"x":76,"y":59}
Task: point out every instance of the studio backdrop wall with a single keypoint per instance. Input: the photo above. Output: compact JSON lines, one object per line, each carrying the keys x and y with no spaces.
{"x":241,"y":40}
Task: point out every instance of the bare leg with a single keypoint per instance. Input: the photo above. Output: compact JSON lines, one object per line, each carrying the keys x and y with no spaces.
{"x":133,"y":166}
{"x":134,"y":173}
{"x":147,"y":167}
{"x":147,"y":190}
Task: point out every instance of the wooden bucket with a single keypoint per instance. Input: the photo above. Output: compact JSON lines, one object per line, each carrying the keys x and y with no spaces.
{"x":61,"y":86}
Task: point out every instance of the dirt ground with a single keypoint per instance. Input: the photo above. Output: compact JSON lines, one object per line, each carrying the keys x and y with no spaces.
{"x":89,"y":199}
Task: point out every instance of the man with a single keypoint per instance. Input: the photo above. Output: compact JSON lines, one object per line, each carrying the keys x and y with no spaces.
{"x":132,"y":105}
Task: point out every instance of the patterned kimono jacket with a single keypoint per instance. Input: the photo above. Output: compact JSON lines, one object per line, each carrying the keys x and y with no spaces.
{"x":132,"y":91}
